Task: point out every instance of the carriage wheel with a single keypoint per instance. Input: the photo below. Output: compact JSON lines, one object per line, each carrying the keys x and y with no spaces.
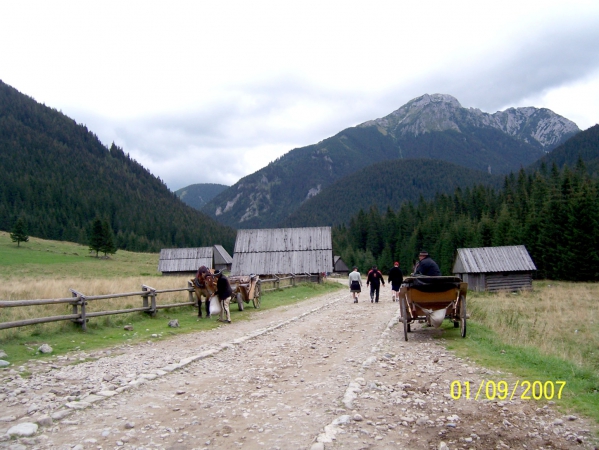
{"x":463,"y":315}
{"x":404,"y":317}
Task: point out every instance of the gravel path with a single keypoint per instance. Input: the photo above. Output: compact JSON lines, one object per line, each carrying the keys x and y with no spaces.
{"x":323,"y":374}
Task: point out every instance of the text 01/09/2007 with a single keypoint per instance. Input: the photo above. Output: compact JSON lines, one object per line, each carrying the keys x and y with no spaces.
{"x":501,"y":390}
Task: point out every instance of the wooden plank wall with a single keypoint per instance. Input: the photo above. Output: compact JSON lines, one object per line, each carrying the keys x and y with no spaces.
{"x":512,"y":281}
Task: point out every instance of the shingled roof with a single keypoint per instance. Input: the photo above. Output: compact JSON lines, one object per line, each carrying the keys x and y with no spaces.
{"x":283,"y":251}
{"x":184,"y":259}
{"x":513,"y":258}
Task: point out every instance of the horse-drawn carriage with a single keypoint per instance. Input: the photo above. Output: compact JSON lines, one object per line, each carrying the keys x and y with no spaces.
{"x":245,"y":289}
{"x":431,"y":300}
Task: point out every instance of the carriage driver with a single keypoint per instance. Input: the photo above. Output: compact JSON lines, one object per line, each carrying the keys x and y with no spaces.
{"x":426,"y":266}
{"x":224,"y":292}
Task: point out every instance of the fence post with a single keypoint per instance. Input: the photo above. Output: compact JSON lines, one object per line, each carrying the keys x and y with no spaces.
{"x":278,"y":283}
{"x":151,"y":293}
{"x":144,"y":296}
{"x":81,"y":302}
{"x":191,"y":291}
{"x":293,"y":279}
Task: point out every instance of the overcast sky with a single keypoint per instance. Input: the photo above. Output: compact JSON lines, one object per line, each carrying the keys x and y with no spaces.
{"x":211,"y":91}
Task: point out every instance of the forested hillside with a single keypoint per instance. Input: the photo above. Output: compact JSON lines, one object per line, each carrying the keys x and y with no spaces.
{"x":385,"y":184}
{"x":555,"y":214}
{"x":59,"y":177}
{"x":582,"y":146}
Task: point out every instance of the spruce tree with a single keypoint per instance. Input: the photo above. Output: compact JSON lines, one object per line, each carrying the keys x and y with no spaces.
{"x":96,"y":237}
{"x":19,"y":232}
{"x":108,"y":245}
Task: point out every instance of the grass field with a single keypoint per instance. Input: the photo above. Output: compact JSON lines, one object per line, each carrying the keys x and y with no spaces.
{"x":550,"y":333}
{"x":40,"y":258}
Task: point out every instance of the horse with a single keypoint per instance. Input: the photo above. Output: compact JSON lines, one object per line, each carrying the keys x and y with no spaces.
{"x":204,"y":285}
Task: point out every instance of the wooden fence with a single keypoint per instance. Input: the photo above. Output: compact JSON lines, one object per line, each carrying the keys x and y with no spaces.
{"x":290,"y":280}
{"x":148,"y":294}
{"x":79,"y":303}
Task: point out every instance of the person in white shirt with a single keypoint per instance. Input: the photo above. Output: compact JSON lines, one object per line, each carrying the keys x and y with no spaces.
{"x":355,"y":284}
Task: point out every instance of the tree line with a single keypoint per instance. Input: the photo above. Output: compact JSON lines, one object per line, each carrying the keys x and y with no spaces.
{"x":553,"y":212}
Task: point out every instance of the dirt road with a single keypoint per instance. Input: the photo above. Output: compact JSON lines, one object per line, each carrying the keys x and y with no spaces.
{"x":322,"y":374}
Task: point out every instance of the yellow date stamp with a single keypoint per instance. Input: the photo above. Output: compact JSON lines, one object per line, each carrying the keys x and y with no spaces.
{"x":502,"y":390}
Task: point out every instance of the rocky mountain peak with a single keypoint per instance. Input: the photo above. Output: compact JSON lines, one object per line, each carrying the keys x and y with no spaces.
{"x":441,"y":112}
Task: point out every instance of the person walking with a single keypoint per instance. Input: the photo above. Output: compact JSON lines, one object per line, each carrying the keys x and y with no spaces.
{"x":355,"y":284}
{"x":395,"y":278}
{"x":374,"y":279}
{"x":426,"y":266}
{"x":224,"y":292}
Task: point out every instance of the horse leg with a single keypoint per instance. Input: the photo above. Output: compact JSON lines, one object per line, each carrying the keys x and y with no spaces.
{"x":207,"y":307}
{"x":199,"y":298}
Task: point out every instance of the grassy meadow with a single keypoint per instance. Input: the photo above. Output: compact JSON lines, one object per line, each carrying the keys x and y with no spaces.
{"x":549,"y":333}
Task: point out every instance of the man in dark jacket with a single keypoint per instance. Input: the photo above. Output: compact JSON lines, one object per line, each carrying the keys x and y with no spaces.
{"x":427,"y":266}
{"x":395,"y":278}
{"x":224,"y":292}
{"x":375,"y":278}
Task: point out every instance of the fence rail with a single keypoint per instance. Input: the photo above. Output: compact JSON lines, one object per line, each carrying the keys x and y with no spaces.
{"x":290,"y":280}
{"x":79,"y":301}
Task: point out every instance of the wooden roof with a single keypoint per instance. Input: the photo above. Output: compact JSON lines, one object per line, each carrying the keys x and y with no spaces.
{"x":221,"y":256}
{"x":513,"y":258}
{"x":339,"y":264}
{"x":184,"y":259}
{"x":283,"y":250}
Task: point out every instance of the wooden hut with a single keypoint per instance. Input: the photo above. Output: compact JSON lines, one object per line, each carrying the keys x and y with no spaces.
{"x":185,"y":261}
{"x":283,"y":251}
{"x":339,"y":266}
{"x":222,"y":259}
{"x":508,"y":268}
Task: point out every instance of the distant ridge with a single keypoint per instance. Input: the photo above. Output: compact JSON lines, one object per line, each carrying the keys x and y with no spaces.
{"x":585,"y":145}
{"x":434,"y":126}
{"x":197,"y":195}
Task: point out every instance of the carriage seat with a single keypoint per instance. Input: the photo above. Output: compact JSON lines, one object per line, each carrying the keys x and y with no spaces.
{"x":432,"y":284}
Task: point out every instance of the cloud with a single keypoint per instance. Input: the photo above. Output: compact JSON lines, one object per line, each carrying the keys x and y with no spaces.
{"x":210,"y":92}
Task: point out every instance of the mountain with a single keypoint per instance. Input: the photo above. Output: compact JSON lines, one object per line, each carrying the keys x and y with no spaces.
{"x":197,"y":195}
{"x":431,"y":126}
{"x":58,"y":177}
{"x":585,"y":145}
{"x":386,"y":184}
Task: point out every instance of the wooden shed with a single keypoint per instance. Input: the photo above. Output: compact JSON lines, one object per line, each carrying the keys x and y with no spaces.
{"x":222,"y":259}
{"x":185,"y":261}
{"x":508,"y":268}
{"x":339,"y":266}
{"x":283,"y":251}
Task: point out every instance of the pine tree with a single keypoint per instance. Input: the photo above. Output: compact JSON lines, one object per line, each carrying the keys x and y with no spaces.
{"x":108,"y":245}
{"x":96,"y":237}
{"x":19,"y":232}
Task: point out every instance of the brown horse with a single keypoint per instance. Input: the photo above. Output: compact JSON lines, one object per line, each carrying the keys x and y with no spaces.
{"x":204,"y":285}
